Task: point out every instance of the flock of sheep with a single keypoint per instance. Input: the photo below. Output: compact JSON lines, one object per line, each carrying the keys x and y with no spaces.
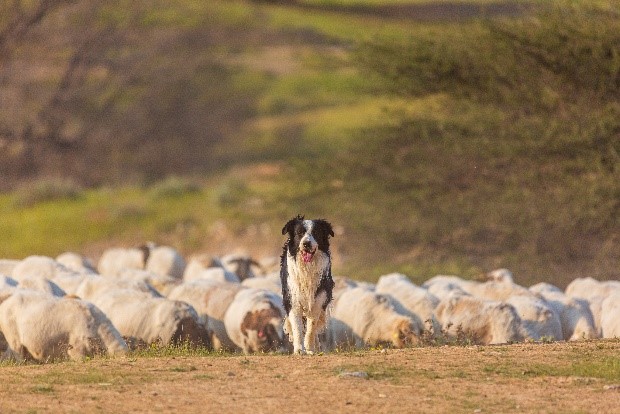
{"x":68,"y":308}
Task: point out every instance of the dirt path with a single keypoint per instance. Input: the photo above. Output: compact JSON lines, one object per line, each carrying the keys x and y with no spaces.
{"x":582,"y":377}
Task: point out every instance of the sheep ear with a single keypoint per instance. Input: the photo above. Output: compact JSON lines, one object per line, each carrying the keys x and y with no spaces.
{"x":146,"y":250}
{"x":325,"y":226}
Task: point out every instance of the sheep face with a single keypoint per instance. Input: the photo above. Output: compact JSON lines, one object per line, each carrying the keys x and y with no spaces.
{"x":401,"y":335}
{"x":262,"y":330}
{"x":404,"y":334}
{"x":191,"y":332}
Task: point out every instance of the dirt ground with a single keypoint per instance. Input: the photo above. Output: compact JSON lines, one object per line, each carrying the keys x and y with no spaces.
{"x":560,"y":377}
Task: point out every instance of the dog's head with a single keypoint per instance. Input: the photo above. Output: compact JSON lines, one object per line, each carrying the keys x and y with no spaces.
{"x":305,"y":237}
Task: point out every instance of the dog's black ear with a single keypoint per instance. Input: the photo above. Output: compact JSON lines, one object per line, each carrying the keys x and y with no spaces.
{"x":288,"y":227}
{"x":325,"y":226}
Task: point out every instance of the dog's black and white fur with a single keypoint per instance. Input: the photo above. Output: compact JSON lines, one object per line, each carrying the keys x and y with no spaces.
{"x":307,"y":284}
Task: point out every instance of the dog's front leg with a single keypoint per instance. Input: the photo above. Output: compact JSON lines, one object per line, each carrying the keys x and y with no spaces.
{"x":314,"y":323}
{"x":311,"y":338}
{"x":297,"y":331}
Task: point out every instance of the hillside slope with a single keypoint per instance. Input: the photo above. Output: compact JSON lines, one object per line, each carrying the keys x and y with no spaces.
{"x":436,"y":142}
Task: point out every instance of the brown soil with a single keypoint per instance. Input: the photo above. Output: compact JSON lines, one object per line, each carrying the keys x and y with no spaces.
{"x":515,"y":378}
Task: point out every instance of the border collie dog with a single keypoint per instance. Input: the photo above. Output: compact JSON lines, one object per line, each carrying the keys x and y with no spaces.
{"x":307,"y":284}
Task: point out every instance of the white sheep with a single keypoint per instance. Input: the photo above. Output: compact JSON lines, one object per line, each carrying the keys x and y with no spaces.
{"x":586,"y":288}
{"x":497,"y":291}
{"x":443,"y":290}
{"x":543,"y":287}
{"x":201,"y":267}
{"x":41,"y":327}
{"x":480,"y":321}
{"x":610,"y":316}
{"x":7,"y":266}
{"x":595,"y":303}
{"x":198,"y":263}
{"x":161,"y":284}
{"x":7,"y":284}
{"x":269,"y":264}
{"x":71,"y":281}
{"x":341,"y":282}
{"x":41,"y":285}
{"x":42,"y":267}
{"x":254,"y":321}
{"x":152,"y":320}
{"x":442,"y":286}
{"x":500,"y":275}
{"x":341,"y":285}
{"x":165,"y":261}
{"x":76,"y":262}
{"x":575,"y":314}
{"x":416,"y":302}
{"x":116,"y":259}
{"x":240,"y":264}
{"x":92,"y":287}
{"x":269,"y":282}
{"x":211,"y":300}
{"x":45,"y":274}
{"x":539,"y":320}
{"x":363,"y":318}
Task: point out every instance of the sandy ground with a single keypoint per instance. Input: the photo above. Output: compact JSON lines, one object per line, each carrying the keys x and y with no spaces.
{"x":561,"y":377}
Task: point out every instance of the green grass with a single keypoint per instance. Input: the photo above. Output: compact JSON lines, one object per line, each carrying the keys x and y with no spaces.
{"x":176,"y":351}
{"x":129,"y":214}
{"x":42,"y":389}
{"x":606,"y":368}
{"x":377,"y":372}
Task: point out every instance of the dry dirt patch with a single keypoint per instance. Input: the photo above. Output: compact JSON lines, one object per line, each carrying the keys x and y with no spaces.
{"x":556,"y":377}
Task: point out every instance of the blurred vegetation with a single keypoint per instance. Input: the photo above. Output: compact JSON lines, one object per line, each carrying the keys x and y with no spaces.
{"x":436,"y":142}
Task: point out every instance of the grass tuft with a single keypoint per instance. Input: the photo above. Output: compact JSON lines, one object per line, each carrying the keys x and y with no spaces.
{"x":173,"y":187}
{"x":45,"y":190}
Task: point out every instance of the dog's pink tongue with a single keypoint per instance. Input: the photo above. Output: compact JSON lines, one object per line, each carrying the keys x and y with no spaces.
{"x":307,"y":256}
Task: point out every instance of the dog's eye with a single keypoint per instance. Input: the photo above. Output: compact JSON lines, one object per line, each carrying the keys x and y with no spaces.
{"x":299,"y":232}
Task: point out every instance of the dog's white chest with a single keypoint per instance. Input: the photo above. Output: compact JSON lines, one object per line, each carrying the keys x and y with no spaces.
{"x":304,"y":279}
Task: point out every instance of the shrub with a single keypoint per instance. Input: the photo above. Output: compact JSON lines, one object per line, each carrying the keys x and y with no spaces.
{"x":48,"y":189}
{"x":174,"y":186}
